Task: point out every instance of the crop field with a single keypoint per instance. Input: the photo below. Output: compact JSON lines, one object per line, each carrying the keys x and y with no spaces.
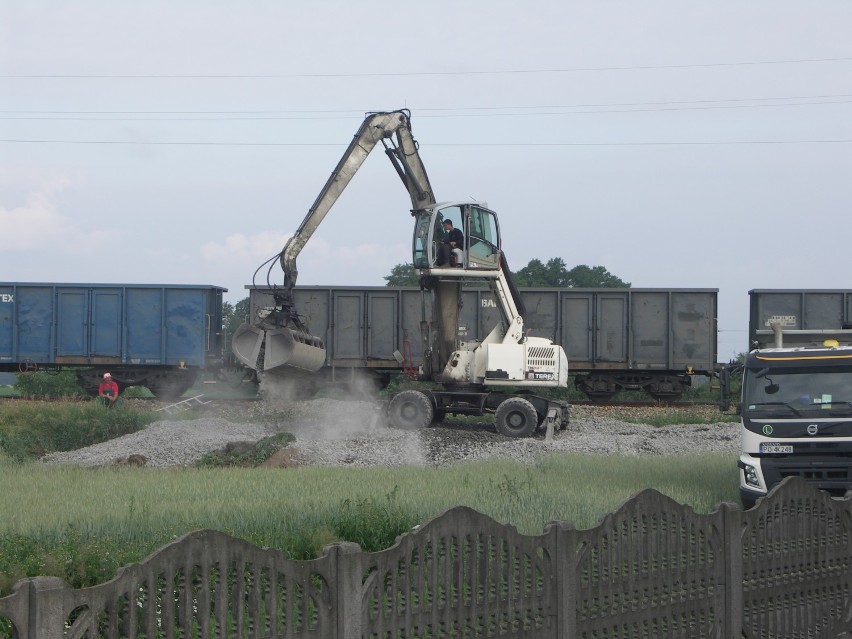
{"x":81,"y":524}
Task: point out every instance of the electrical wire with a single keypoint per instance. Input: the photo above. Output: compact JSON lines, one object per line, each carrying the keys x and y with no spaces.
{"x":436,"y":144}
{"x":447,"y":111}
{"x":237,"y":76}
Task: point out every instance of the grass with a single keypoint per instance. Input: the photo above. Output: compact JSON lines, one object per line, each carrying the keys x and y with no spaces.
{"x":29,"y":429}
{"x":674,"y":416}
{"x":82,"y":524}
{"x":68,"y":533}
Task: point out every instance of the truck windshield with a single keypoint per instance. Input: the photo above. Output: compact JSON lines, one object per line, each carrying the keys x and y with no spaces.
{"x":806,"y":390}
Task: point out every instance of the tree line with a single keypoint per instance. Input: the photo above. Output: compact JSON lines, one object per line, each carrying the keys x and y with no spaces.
{"x":553,"y":273}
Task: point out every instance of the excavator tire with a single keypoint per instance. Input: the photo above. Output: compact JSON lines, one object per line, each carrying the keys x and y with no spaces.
{"x":516,"y":417}
{"x":410,"y":410}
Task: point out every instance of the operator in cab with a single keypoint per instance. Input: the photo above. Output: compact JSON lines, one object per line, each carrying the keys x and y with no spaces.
{"x":454,"y":238}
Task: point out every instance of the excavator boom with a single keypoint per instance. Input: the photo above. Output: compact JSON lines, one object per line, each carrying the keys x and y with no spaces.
{"x":280,"y":339}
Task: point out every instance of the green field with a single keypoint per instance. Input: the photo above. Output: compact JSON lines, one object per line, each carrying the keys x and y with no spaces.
{"x":82,"y":524}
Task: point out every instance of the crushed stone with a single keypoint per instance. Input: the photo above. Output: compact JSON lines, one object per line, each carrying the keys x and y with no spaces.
{"x":354,"y":433}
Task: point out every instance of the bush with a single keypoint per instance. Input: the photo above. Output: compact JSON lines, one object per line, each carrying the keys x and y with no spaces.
{"x":49,"y":384}
{"x":259,"y":453}
{"x":29,"y":430}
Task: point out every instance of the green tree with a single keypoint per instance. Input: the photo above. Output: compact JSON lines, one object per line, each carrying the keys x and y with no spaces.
{"x":535,"y":273}
{"x":235,"y":314}
{"x":403,"y":275}
{"x":583,"y":276}
{"x":555,"y":273}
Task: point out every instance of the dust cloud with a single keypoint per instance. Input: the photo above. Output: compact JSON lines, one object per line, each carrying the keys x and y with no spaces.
{"x":350,"y":408}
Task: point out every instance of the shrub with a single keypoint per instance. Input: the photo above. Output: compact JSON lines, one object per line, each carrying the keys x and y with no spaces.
{"x":30,"y":430}
{"x":259,"y":453}
{"x":49,"y":384}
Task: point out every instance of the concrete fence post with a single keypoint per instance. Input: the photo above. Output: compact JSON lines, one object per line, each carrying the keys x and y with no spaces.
{"x":348,"y":588}
{"x":566,"y":577}
{"x":47,"y":612}
{"x":733,"y":545}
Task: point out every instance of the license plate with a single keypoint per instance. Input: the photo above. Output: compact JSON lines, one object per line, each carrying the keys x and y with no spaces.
{"x":775,"y":448}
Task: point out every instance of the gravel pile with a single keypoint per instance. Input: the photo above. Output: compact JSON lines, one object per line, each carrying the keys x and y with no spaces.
{"x":354,"y":433}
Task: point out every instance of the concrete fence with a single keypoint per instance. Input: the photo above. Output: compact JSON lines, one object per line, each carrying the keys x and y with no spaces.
{"x":652,"y":569}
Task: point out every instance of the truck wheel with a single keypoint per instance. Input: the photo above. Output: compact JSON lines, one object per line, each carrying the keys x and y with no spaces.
{"x":516,"y":417}
{"x":410,"y":410}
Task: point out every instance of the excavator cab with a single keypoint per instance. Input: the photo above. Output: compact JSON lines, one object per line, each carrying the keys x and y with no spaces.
{"x":481,"y":245}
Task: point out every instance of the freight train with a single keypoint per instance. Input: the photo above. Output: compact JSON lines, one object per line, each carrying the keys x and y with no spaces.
{"x":163,"y":336}
{"x":156,"y":336}
{"x":651,"y":340}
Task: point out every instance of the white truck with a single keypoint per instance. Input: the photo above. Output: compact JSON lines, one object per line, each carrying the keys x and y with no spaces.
{"x":497,"y":374}
{"x":796,"y":406}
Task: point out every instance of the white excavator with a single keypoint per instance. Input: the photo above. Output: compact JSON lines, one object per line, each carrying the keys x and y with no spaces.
{"x":497,"y":374}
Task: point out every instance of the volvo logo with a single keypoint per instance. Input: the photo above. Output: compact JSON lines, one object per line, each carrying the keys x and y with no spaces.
{"x":767,"y":429}
{"x":812,"y":429}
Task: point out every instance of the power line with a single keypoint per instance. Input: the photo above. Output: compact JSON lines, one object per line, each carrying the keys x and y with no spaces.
{"x":264,"y":118}
{"x":274,"y":76}
{"x":432,"y":109}
{"x":433,"y":144}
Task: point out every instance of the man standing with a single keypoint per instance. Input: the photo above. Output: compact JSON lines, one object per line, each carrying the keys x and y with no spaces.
{"x":108,"y":391}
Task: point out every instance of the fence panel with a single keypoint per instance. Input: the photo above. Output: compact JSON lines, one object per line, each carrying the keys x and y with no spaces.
{"x":653,"y":569}
{"x":461,"y":575}
{"x":207,"y":584}
{"x":797,"y":564}
{"x":15,"y":610}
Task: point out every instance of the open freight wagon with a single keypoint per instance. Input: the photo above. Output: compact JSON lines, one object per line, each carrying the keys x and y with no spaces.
{"x":654,"y":340}
{"x":152,"y":335}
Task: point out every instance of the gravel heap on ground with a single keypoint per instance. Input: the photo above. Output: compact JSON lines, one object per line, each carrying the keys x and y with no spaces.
{"x":333,"y":432}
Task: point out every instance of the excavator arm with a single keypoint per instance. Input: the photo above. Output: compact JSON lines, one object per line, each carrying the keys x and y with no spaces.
{"x":280,"y":339}
{"x":393,"y":129}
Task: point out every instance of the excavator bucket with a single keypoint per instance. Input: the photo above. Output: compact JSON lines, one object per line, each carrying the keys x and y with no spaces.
{"x":246,"y":344}
{"x":279,"y":346}
{"x":286,"y":347}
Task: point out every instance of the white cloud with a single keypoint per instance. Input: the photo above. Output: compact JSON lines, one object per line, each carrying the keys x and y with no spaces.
{"x":238,"y":247}
{"x":37,"y":224}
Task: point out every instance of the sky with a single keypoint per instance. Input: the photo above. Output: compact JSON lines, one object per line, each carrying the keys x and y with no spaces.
{"x":679,"y":145}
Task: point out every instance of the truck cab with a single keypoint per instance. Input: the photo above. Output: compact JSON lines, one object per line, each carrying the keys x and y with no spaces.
{"x":797,"y":418}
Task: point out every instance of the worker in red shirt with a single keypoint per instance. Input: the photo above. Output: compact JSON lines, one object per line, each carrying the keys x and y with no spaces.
{"x":108,"y":391}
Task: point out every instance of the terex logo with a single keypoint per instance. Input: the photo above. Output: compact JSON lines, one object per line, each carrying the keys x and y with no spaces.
{"x":7,"y":298}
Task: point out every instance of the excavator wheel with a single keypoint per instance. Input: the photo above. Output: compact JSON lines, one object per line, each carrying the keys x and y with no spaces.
{"x":410,"y":410}
{"x":516,"y":417}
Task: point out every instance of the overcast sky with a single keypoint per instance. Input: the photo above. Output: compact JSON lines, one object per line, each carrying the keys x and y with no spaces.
{"x":679,"y":145}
